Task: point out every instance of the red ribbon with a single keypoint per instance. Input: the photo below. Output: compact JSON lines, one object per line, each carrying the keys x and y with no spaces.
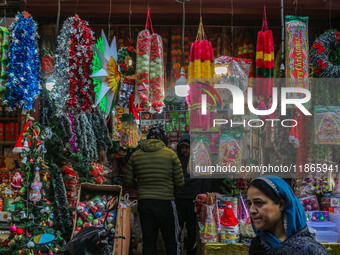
{"x":319,"y":47}
{"x":322,"y":64}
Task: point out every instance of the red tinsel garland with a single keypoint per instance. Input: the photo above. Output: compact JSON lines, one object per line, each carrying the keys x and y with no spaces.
{"x":81,"y":57}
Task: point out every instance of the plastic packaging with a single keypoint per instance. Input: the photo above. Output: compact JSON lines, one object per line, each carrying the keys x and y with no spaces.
{"x":143,"y":70}
{"x":156,"y":74}
{"x":322,"y":225}
{"x":310,"y":203}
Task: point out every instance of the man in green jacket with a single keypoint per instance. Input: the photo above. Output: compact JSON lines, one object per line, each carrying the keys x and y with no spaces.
{"x":156,"y":172}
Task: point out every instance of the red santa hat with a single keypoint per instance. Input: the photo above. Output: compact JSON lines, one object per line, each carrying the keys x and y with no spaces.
{"x":22,"y":145}
{"x":228,"y":218}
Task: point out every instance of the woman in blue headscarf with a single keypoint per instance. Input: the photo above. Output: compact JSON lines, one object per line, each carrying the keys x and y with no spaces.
{"x":279,"y":220}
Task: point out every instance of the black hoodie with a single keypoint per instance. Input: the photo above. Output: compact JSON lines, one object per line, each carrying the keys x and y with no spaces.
{"x":192,"y":186}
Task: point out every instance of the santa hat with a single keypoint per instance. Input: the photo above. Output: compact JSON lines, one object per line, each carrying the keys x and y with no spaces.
{"x":228,"y":218}
{"x":22,"y":145}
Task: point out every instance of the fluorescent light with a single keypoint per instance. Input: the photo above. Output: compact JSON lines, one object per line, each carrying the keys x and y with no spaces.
{"x":181,"y":87}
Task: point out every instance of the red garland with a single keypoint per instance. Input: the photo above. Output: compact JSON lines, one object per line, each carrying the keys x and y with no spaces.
{"x":80,"y":62}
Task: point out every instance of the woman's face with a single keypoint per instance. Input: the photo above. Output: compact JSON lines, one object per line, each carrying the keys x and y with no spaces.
{"x":265,"y":214}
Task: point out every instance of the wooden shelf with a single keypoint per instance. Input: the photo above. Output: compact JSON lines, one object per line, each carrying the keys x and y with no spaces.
{"x":8,"y":118}
{"x":4,"y":143}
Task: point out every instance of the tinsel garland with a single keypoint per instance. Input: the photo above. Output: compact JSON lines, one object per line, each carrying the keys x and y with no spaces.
{"x":46,"y":106}
{"x":24,"y":63}
{"x":61,"y":71}
{"x":73,"y":140}
{"x":61,"y":201}
{"x":81,"y":57}
{"x":86,"y":137}
{"x":97,"y":122}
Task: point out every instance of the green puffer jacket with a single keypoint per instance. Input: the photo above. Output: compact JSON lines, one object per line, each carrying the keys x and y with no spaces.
{"x":155,"y":171}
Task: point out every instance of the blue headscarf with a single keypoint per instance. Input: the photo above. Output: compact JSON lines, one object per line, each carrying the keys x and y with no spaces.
{"x":296,"y":218}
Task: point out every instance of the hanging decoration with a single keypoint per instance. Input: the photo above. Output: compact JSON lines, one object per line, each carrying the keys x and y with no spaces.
{"x":264,"y":61}
{"x":327,"y":124}
{"x":47,"y":63}
{"x":201,"y":156}
{"x":297,"y":63}
{"x":200,"y":78}
{"x":5,"y":37}
{"x":24,"y":63}
{"x":95,"y":68}
{"x":109,"y":74}
{"x":127,"y":60}
{"x":325,"y":55}
{"x":60,"y":91}
{"x":150,"y":70}
{"x":81,"y":57}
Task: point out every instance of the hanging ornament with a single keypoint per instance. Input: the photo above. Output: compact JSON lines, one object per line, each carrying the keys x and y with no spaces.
{"x":127,"y":60}
{"x":324,"y":55}
{"x":109,"y":74}
{"x":24,"y":63}
{"x":16,"y":181}
{"x":35,"y":193}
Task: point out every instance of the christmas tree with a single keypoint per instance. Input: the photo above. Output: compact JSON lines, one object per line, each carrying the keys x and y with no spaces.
{"x":35,"y":208}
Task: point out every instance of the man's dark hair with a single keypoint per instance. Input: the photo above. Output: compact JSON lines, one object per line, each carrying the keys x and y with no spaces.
{"x":157,"y":133}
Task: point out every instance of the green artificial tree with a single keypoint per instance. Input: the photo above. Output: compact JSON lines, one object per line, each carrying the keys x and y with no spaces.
{"x":35,"y":210}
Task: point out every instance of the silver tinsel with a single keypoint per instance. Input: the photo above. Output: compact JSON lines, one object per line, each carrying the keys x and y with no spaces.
{"x":60,"y":91}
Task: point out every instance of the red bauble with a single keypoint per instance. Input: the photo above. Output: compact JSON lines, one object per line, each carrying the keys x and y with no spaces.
{"x":20,"y":231}
{"x":312,"y":200}
{"x":315,"y":207}
{"x":306,"y":201}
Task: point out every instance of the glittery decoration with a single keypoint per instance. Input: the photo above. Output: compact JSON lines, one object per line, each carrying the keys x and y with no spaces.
{"x":61,"y":71}
{"x":74,"y":137}
{"x":108,"y":74}
{"x":95,"y":68}
{"x":24,"y":63}
{"x":81,"y":57}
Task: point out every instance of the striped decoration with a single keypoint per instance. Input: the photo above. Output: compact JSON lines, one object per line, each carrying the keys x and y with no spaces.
{"x":265,"y":63}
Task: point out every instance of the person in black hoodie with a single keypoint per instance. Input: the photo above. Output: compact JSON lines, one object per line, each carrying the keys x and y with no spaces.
{"x":185,"y":198}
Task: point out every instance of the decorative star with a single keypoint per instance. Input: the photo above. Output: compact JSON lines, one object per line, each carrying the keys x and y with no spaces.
{"x":109,"y":74}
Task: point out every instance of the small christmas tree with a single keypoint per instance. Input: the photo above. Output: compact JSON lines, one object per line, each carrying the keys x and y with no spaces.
{"x":35,"y":209}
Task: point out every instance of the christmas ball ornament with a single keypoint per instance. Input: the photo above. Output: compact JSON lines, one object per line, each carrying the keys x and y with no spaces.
{"x":12,"y":243}
{"x":80,"y":222}
{"x":56,"y":250}
{"x":78,"y":229}
{"x":95,"y":222}
{"x":98,"y":214}
{"x":94,"y":209}
{"x":312,"y":200}
{"x":109,"y":226}
{"x":50,"y":253}
{"x":88,"y":224}
{"x":30,"y":244}
{"x":90,"y":204}
{"x":109,"y":219}
{"x":50,"y":224}
{"x":20,"y":231}
{"x":102,"y":220}
{"x":90,"y":218}
{"x":12,"y":228}
{"x":306,"y":201}
{"x":85,"y":214}
{"x":51,"y":217}
{"x":100,"y":205}
{"x":82,"y":204}
{"x":80,"y":209}
{"x":308,"y":207}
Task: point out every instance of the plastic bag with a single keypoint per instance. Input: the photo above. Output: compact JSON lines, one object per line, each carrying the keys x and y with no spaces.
{"x":156,"y":74}
{"x":143,"y":70}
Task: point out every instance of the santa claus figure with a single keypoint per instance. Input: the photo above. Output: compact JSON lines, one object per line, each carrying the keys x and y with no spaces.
{"x":16,"y":181}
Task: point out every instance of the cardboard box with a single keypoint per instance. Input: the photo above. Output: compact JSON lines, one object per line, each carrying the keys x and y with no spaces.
{"x":89,"y":191}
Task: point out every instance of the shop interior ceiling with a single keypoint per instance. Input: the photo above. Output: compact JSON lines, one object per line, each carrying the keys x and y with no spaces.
{"x":169,"y":12}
